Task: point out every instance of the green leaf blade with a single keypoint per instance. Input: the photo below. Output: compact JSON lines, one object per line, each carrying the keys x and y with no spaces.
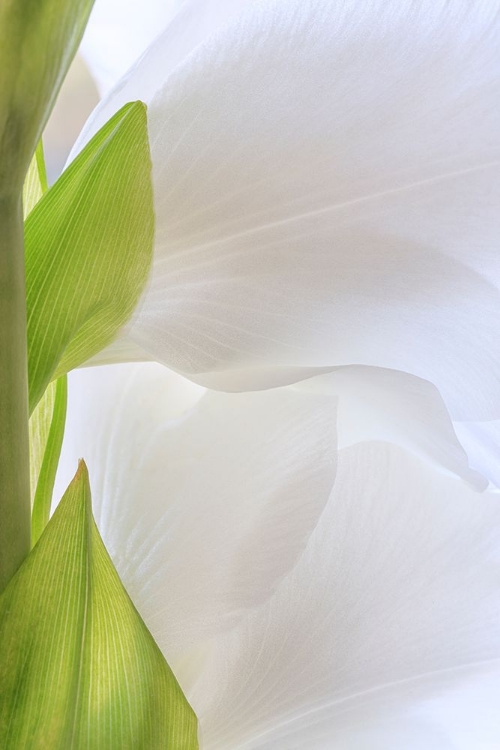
{"x":78,"y":668}
{"x":39,"y":429}
{"x":51,"y":452}
{"x":46,"y":425}
{"x":89,"y":246}
{"x":35,"y":182}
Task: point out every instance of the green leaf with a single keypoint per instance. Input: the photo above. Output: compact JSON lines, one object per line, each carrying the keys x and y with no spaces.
{"x":46,"y":425}
{"x":89,"y":245}
{"x":78,"y":668}
{"x":35,"y":183}
{"x":52,"y":408}
{"x":38,"y":40}
{"x":39,"y":428}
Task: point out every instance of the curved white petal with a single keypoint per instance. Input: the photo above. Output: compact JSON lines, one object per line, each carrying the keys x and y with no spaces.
{"x":385,"y":634}
{"x":119,"y":351}
{"x":481,"y":440}
{"x":119,"y":31}
{"x":204,"y":501}
{"x":394,"y":407}
{"x":327,"y":186}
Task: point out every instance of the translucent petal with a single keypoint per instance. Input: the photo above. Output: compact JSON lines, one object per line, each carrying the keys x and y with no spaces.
{"x":119,"y":31}
{"x":204,"y":500}
{"x":384,"y":635}
{"x":481,"y":440}
{"x":391,"y":406}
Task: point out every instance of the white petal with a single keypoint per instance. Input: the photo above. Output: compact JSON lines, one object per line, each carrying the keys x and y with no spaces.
{"x":385,"y":635}
{"x":204,"y":501}
{"x":120,"y":350}
{"x":481,"y":440}
{"x":326,"y":184}
{"x":394,"y":407}
{"x":119,"y":31}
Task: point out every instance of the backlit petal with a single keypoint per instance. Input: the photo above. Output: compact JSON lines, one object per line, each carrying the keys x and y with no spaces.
{"x":385,"y":635}
{"x":326,"y":184}
{"x":204,"y":500}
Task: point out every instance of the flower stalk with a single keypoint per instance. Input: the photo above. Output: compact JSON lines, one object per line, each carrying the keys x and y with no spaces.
{"x":38,"y":40}
{"x":14,"y":447}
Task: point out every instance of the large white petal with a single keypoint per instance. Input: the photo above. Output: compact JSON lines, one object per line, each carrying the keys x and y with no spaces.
{"x":385,"y":635}
{"x":204,"y":501}
{"x":391,"y":406}
{"x":327,"y":186}
{"x":119,"y":31}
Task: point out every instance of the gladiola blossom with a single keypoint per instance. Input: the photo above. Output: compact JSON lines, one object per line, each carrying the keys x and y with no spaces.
{"x":325,"y":181}
{"x":300,"y":604}
{"x":297,"y":302}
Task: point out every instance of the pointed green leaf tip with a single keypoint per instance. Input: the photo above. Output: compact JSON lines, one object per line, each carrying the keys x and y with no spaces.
{"x":78,"y":668}
{"x":89,"y":246}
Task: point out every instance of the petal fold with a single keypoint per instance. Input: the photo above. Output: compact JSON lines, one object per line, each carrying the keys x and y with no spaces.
{"x":384,"y":635}
{"x":117,"y":34}
{"x":204,"y":500}
{"x":376,"y":404}
{"x":481,"y":440}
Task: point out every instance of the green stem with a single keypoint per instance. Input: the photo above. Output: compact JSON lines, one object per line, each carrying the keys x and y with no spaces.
{"x":14,"y":447}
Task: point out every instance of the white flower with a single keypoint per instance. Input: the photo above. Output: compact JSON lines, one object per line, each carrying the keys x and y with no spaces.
{"x":326,"y":181}
{"x":363,"y":617}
